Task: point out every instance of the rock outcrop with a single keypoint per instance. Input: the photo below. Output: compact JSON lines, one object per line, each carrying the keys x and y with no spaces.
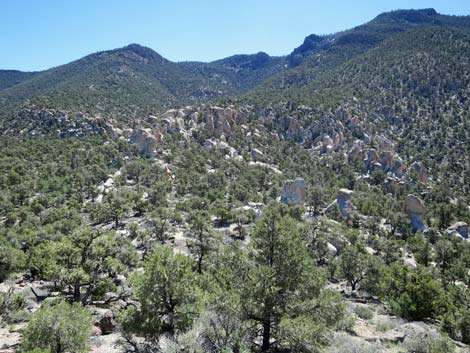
{"x":332,"y":143}
{"x":406,"y":330}
{"x":295,"y":130}
{"x":220,"y":121}
{"x":344,"y":203}
{"x":294,"y":191}
{"x":213,"y":143}
{"x":459,"y":229}
{"x":414,"y":208}
{"x":382,"y":156}
{"x":356,"y":153}
{"x":217,"y":122}
{"x":53,"y":122}
{"x":146,"y":140}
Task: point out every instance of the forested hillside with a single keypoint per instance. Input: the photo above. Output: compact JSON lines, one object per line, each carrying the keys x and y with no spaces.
{"x":315,"y":202}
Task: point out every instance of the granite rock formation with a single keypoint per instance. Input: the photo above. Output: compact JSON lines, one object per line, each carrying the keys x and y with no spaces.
{"x":415,"y":210}
{"x":344,"y":202}
{"x":294,"y":191}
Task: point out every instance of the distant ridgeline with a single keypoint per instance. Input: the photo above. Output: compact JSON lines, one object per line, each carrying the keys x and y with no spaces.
{"x":134,"y":82}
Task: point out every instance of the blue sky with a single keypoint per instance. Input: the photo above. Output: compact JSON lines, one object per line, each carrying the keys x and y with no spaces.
{"x":38,"y":34}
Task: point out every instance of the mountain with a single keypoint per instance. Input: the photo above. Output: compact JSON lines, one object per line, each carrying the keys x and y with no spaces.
{"x":247,"y":71}
{"x":413,"y":88}
{"x":135,"y":81}
{"x":319,"y":53}
{"x":10,"y":78}
{"x":372,"y":33}
{"x":132,"y":81}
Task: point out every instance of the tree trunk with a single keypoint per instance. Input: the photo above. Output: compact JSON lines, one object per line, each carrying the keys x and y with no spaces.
{"x":76,"y":292}
{"x":171,"y":322}
{"x":199,"y":263}
{"x":201,"y":254}
{"x":266,"y":335}
{"x":236,"y":348}
{"x":58,"y":344}
{"x":91,"y":286}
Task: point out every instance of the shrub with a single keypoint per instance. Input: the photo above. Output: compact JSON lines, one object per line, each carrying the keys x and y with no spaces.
{"x":346,"y":323}
{"x":343,"y":343}
{"x":10,"y":260}
{"x":386,"y":324}
{"x":429,"y":343}
{"x":58,"y":328}
{"x":415,"y":294}
{"x":11,"y":305}
{"x":364,"y":312}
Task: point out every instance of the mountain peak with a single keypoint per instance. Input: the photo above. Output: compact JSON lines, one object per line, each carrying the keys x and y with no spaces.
{"x":142,"y":51}
{"x":411,"y":16}
{"x":137,"y":47}
{"x":311,"y":43}
{"x":245,"y":61}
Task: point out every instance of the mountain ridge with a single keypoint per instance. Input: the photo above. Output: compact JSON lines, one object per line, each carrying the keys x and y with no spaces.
{"x":136,"y":81}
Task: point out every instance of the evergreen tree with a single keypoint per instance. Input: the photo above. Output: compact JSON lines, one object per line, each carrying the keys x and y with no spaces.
{"x":283,"y":283}
{"x":168,"y":295}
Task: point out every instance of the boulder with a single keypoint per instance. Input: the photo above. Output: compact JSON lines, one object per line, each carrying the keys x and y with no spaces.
{"x":327,"y":144}
{"x":96,"y":331}
{"x":410,"y":261}
{"x":256,"y":154}
{"x":294,"y":191}
{"x":338,"y":139}
{"x":458,"y":229}
{"x":127,"y":132}
{"x":106,"y":323}
{"x":344,"y":202}
{"x":210,"y":144}
{"x":113,"y":131}
{"x":174,"y":120}
{"x":414,"y":208}
{"x":332,"y":251}
{"x":339,"y":242}
{"x":356,"y":153}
